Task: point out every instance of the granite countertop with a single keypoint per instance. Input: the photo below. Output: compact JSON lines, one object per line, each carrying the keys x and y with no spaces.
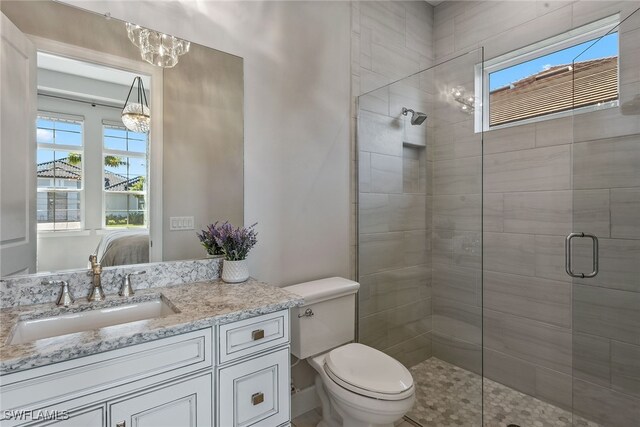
{"x":199,"y":305}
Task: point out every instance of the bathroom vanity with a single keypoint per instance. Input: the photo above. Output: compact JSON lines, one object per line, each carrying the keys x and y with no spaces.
{"x":198,"y":354}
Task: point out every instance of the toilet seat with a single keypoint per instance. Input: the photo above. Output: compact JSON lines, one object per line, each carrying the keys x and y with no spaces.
{"x":368,"y":372}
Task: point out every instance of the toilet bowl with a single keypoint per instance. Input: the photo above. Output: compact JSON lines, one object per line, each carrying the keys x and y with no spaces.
{"x":362,"y":387}
{"x":358,"y":386}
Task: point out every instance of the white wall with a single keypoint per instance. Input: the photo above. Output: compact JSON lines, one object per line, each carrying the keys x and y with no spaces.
{"x":296,"y":57}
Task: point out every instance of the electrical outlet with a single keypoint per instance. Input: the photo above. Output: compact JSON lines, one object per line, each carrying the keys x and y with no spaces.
{"x":180,"y":223}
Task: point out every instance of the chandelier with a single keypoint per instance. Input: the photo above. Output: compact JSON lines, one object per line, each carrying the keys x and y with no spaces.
{"x":467,"y":102}
{"x":136,"y":116}
{"x":157,"y":48}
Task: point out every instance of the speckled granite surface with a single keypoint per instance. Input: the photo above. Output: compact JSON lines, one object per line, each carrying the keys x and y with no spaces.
{"x":199,"y":304}
{"x":29,"y":289}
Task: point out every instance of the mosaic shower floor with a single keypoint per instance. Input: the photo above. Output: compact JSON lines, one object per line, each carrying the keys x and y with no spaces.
{"x":447,"y":395}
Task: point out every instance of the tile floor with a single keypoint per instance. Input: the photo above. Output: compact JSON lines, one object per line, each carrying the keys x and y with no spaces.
{"x":312,"y":418}
{"x":447,"y":395}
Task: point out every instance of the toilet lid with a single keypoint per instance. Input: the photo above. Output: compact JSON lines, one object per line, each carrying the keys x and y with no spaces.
{"x":368,"y":371}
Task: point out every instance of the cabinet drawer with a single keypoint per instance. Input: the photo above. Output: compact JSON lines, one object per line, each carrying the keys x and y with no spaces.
{"x":185,"y":403}
{"x":243,"y":338}
{"x":255,"y":392}
{"x":165,"y":358}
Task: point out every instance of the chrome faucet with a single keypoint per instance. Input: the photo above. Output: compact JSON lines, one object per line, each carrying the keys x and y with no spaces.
{"x":126,"y":290}
{"x":65,"y":298}
{"x":97,"y":294}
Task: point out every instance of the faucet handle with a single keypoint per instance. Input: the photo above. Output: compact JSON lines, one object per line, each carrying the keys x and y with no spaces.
{"x":126,"y":290}
{"x":65,"y":298}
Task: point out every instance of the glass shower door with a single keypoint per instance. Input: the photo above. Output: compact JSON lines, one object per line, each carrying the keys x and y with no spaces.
{"x":603,"y":251}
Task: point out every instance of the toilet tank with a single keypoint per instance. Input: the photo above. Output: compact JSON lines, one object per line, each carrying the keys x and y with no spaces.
{"x":327,"y":318}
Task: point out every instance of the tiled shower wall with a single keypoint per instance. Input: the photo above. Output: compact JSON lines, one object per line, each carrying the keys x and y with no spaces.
{"x":575,"y":345}
{"x":391,"y":40}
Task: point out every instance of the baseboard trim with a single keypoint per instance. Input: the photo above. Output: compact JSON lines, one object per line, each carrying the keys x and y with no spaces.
{"x":304,"y":401}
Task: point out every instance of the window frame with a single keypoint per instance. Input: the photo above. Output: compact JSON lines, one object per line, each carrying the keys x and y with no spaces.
{"x":573,"y":37}
{"x":128,"y":154}
{"x":55,"y":116}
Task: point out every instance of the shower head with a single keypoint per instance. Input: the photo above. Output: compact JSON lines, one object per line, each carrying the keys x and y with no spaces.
{"x":416,"y":116}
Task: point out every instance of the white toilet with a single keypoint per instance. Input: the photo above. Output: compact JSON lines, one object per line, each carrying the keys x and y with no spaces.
{"x":358,"y":386}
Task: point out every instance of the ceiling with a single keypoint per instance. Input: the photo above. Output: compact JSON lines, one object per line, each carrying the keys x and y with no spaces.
{"x":434,"y":3}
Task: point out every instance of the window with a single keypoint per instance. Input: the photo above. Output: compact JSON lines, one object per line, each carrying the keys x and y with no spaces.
{"x":125,"y":155}
{"x":59,"y":172}
{"x":565,"y":73}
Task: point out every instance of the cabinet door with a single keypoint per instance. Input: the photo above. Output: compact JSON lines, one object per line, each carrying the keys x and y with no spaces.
{"x":187,"y":403}
{"x":255,"y":392}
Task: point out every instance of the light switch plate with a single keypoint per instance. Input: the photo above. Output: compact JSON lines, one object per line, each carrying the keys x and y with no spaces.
{"x":179,"y":223}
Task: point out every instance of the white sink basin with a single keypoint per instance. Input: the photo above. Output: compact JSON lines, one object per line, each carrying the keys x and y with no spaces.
{"x":54,"y":326}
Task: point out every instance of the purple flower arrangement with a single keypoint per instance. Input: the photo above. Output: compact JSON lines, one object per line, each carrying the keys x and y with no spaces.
{"x":232,"y":242}
{"x":208,"y":239}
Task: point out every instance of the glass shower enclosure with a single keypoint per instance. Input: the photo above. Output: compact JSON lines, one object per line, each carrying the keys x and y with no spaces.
{"x":420,"y":235}
{"x":503,"y":267}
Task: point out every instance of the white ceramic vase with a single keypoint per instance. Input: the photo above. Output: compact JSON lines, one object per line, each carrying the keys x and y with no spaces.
{"x":235,"y":271}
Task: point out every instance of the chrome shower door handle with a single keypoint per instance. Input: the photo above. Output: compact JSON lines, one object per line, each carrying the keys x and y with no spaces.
{"x":567,"y":255}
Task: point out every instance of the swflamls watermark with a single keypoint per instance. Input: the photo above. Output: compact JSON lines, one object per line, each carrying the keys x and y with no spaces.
{"x":34,"y":415}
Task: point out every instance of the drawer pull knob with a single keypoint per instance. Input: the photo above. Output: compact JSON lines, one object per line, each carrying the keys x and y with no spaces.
{"x":257,"y":398}
{"x":121,"y":424}
{"x":258,"y":334}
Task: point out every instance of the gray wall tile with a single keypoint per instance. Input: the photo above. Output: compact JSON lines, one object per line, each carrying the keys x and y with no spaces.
{"x":374,"y":213}
{"x":412,"y":351}
{"x":537,"y":299}
{"x":381,"y":251}
{"x":528,"y":170}
{"x":458,"y":176}
{"x":608,"y":313}
{"x":619,"y":263}
{"x":379,"y":134}
{"x":510,"y":139}
{"x":386,"y":173}
{"x":394,"y":288}
{"x":625,"y":368}
{"x":509,"y":253}
{"x":603,"y":405}
{"x":592,"y":358}
{"x":457,"y":212}
{"x":456,"y":283}
{"x":607,"y":163}
{"x":538,"y":343}
{"x":457,"y":320}
{"x":625,"y":213}
{"x":467,"y":249}
{"x":493,"y":212}
{"x":539,"y":212}
{"x":554,"y":132}
{"x":407,"y":212}
{"x":460,"y":353}
{"x":549,"y":258}
{"x":591,"y":212}
{"x":409,"y":321}
{"x":364,"y":171}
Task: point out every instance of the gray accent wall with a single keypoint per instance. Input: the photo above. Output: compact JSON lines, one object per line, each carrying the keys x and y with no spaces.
{"x":574,"y":344}
{"x":389,"y":41}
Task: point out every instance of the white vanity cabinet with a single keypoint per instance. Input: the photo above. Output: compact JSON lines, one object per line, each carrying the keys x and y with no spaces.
{"x":231,"y":375}
{"x":254,"y":391}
